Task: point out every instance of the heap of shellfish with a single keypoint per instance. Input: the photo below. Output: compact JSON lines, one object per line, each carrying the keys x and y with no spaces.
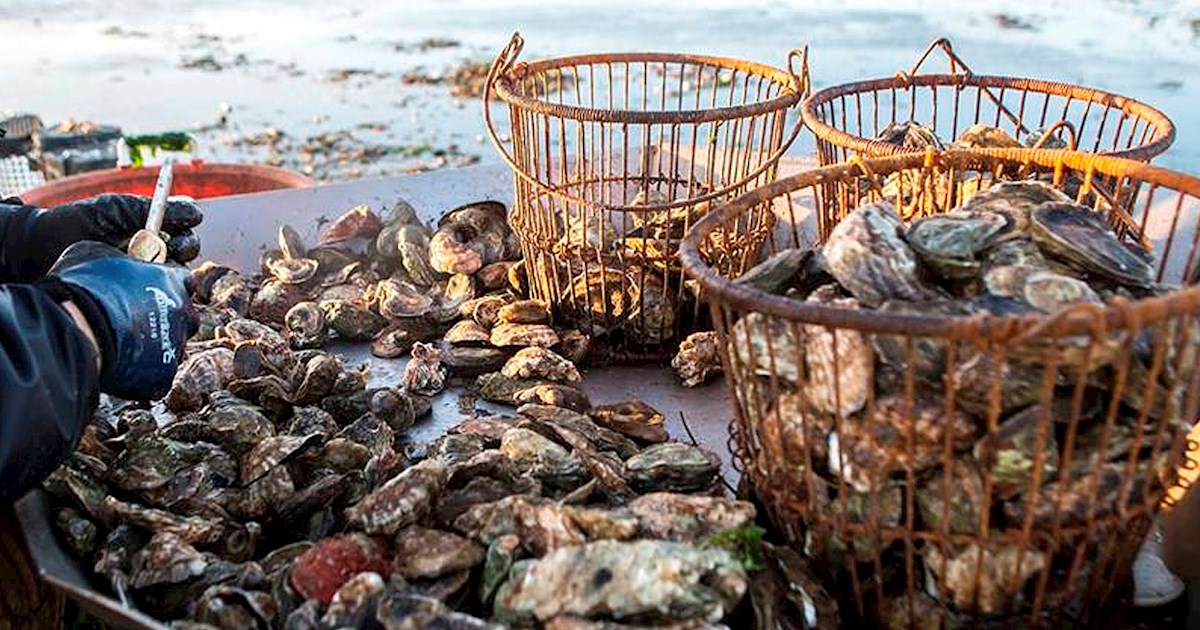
{"x":977,"y":438}
{"x":280,"y":489}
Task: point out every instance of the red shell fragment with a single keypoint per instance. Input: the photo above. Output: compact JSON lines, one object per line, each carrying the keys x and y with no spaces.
{"x":330,"y":563}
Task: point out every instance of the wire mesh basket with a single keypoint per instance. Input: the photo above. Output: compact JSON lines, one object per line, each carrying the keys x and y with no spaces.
{"x":614,"y":156}
{"x":957,"y":456}
{"x":868,"y":118}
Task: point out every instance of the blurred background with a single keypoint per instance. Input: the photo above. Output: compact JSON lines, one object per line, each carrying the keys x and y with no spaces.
{"x":362,"y":89}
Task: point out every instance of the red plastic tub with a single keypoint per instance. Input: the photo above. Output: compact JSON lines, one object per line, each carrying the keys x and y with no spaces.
{"x":195,"y":179}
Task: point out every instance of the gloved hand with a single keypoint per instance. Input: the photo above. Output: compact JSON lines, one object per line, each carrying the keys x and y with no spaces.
{"x":34,"y":241}
{"x":140,"y":313}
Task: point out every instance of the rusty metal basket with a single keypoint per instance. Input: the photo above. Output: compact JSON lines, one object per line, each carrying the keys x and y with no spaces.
{"x":614,"y":156}
{"x":847,"y":119}
{"x":898,"y":447}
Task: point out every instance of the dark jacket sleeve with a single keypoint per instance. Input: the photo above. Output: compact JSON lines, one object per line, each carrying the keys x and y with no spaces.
{"x":48,"y":383}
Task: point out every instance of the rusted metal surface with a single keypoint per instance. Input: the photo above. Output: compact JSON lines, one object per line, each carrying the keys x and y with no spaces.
{"x":847,"y":118}
{"x":1079,"y":558}
{"x":614,"y":156}
{"x":234,"y":231}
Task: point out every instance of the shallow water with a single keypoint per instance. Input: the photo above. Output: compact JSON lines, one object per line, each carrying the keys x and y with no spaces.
{"x":120,"y":61}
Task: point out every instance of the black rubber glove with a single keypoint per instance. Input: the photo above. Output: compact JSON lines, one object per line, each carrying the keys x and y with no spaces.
{"x":35,"y":238}
{"x":140,"y":313}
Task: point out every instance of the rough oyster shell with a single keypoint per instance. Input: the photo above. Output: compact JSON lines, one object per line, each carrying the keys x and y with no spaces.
{"x":951,"y":243}
{"x":699,"y":584}
{"x":688,"y":518}
{"x":987,"y":580}
{"x":509,"y":335}
{"x":869,"y":257}
{"x":542,"y":364}
{"x":672,"y":467}
{"x":404,"y":500}
{"x":429,"y":553}
{"x":1080,"y":237}
{"x":698,"y":359}
{"x":424,"y":373}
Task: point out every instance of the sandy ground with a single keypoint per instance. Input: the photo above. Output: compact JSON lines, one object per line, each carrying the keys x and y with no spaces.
{"x":350,"y":89}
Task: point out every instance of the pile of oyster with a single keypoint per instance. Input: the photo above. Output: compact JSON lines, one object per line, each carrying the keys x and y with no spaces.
{"x":864,"y":424}
{"x":276,"y":485}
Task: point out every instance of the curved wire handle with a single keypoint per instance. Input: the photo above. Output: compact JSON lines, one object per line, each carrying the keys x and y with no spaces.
{"x":956,"y":62}
{"x":799,"y":75}
{"x":506,"y":61}
{"x":1072,"y":135}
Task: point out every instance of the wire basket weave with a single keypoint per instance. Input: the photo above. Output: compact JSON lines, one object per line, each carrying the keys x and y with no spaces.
{"x":614,"y":156}
{"x":848,"y":119}
{"x":941,"y":467}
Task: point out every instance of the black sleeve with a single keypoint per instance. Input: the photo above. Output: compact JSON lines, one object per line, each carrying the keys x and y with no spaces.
{"x":15,"y":227}
{"x":48,"y":387}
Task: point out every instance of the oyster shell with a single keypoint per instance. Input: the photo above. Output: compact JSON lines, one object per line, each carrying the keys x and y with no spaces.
{"x":397,"y":339}
{"x":354,"y":601}
{"x":777,"y":272}
{"x":987,"y":580}
{"x":509,"y":335}
{"x":556,"y":395}
{"x":1007,"y":456}
{"x":352,"y":322}
{"x":424,"y":373}
{"x":403,"y":500}
{"x":306,"y":326}
{"x":485,"y":310}
{"x":543,"y":459}
{"x":471,"y":360}
{"x":867,"y":255}
{"x":985,"y":137}
{"x":909,"y":134}
{"x":652,"y":320}
{"x":953,"y":502}
{"x":698,"y":359}
{"x":870,"y":447}
{"x":542,"y":364}
{"x":524,"y":312}
{"x":199,"y":374}
{"x":353,"y":231}
{"x":672,"y":467}
{"x":471,"y":237}
{"x":274,"y":299}
{"x":603,"y":297}
{"x":840,"y":362}
{"x":397,"y":300}
{"x":467,"y":331}
{"x":429,"y":553}
{"x":499,"y":388}
{"x":951,"y":243}
{"x":688,"y":518}
{"x":607,"y":578}
{"x":632,"y":418}
{"x":1080,"y":237}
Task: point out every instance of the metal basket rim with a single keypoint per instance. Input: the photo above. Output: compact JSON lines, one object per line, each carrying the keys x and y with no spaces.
{"x":792,"y":84}
{"x":1164,"y":135}
{"x":1114,"y":315}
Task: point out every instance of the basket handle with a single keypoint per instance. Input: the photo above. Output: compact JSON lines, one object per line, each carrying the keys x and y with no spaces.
{"x":956,"y":62}
{"x":508,"y":56}
{"x":797,"y":66}
{"x":1072,"y":135}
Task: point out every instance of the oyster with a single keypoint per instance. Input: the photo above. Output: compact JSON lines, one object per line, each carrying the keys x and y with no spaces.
{"x":869,"y":257}
{"x":1011,"y":456}
{"x":472,"y":360}
{"x":603,"y":298}
{"x":987,"y":580}
{"x":274,"y":299}
{"x":698,"y":359}
{"x":424,"y":373}
{"x":556,"y":395}
{"x":953,"y":501}
{"x":688,"y":518}
{"x":397,"y":339}
{"x":984,"y":137}
{"x":199,"y":374}
{"x":428,"y":553}
{"x":354,"y":231}
{"x":607,"y":578}
{"x":588,"y":237}
{"x":471,"y":237}
{"x":524,"y":312}
{"x":495,"y":275}
{"x":909,"y":134}
{"x":870,"y":447}
{"x":467,"y":331}
{"x":402,"y":501}
{"x":232,"y":607}
{"x":542,"y":364}
{"x":507,"y":335}
{"x":543,"y":459}
{"x":1019,"y":384}
{"x":291,"y":266}
{"x":573,"y":346}
{"x":951,"y":243}
{"x":397,"y":300}
{"x":672,"y":467}
{"x":652,"y":320}
{"x":840,"y":362}
{"x":306,"y":325}
{"x":485,"y":310}
{"x":1079,"y":236}
{"x":928,"y":359}
{"x":878,"y":512}
{"x":775,"y":273}
{"x":497,"y":387}
{"x":352,"y":322}
{"x":632,"y":418}
{"x":354,"y":601}
{"x":1098,"y":493}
